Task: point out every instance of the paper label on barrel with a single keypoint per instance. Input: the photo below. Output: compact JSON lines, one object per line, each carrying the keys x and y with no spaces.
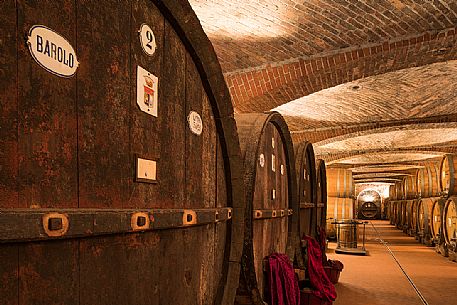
{"x":146,"y":169}
{"x":52,"y":51}
{"x":262,"y":160}
{"x":147,"y":39}
{"x":195,"y":123}
{"x":147,"y":91}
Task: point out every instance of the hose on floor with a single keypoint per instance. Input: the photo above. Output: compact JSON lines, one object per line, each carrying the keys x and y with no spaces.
{"x":419,"y":294}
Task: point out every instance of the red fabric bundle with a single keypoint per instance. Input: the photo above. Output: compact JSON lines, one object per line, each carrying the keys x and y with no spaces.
{"x":335,"y":264}
{"x":323,"y":288}
{"x":282,"y":283}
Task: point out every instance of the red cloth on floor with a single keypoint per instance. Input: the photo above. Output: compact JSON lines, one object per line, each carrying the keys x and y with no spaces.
{"x":282,"y":283}
{"x":322,"y":238}
{"x":323,"y":287}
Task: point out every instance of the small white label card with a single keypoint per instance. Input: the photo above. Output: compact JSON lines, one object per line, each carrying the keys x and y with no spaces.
{"x":147,"y":91}
{"x":146,"y":170}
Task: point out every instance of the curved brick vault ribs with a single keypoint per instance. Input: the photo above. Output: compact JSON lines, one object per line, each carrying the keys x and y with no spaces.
{"x":392,"y":137}
{"x":394,"y":156}
{"x":251,"y":33}
{"x":264,"y":88}
{"x":273,"y":52}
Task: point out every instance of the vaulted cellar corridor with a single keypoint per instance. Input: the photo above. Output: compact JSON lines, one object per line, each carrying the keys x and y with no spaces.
{"x":206,"y":152}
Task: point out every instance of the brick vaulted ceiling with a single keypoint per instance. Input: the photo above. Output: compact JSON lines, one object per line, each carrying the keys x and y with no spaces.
{"x":344,"y":71}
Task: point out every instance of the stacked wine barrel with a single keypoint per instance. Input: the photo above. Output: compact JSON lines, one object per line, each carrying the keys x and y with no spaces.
{"x":429,"y":205}
{"x":448,"y":186}
{"x":428,"y":220}
{"x":390,"y":203}
{"x":340,"y":197}
{"x":271,"y":217}
{"x":410,"y":192}
{"x":102,"y":202}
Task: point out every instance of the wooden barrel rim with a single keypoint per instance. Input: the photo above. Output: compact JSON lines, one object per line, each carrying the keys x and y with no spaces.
{"x":185,"y":22}
{"x":258,"y":122}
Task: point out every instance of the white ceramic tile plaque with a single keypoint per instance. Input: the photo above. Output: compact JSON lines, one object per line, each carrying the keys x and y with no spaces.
{"x":147,"y":39}
{"x":52,"y":51}
{"x":147,"y":91}
{"x":195,"y":123}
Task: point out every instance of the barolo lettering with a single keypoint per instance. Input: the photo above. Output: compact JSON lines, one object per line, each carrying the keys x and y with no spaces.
{"x":54,"y":51}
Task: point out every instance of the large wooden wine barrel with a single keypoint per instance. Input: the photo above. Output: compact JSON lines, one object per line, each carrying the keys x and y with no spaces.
{"x":321,"y":178}
{"x":449,"y":225}
{"x":424,"y":219}
{"x":410,"y":187}
{"x":110,"y":204}
{"x":369,"y":204}
{"x":339,"y":182}
{"x":448,"y":177}
{"x":427,"y":179}
{"x":338,"y":209}
{"x":270,"y":184}
{"x":305,"y":166}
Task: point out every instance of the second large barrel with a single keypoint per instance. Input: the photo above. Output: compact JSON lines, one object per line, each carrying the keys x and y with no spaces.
{"x":270,"y":185}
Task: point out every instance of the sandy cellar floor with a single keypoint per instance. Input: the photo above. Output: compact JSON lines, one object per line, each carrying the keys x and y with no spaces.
{"x":376,"y":279}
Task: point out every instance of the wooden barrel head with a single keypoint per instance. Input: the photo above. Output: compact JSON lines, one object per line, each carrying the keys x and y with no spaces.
{"x":436,"y":219}
{"x":427,"y":179}
{"x":338,"y":209}
{"x":160,"y":196}
{"x":447,"y":181}
{"x":339,"y":182}
{"x":270,"y":188}
{"x":410,"y":187}
{"x":450,"y":219}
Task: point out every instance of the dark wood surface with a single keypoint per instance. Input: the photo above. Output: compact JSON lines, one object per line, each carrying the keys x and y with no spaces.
{"x":46,"y":112}
{"x":8,"y":106}
{"x":70,"y":144}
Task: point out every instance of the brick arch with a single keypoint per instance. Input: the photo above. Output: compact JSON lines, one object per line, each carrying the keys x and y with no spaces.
{"x":419,"y":125}
{"x":338,"y":157}
{"x":276,"y":83}
{"x":318,"y":136}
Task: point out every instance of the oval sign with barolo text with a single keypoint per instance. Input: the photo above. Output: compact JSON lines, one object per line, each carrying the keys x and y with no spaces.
{"x":52,"y":51}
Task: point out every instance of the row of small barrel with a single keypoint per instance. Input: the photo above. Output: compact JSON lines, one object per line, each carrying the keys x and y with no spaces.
{"x":133,"y":182}
{"x":433,"y":221}
{"x":431,"y":179}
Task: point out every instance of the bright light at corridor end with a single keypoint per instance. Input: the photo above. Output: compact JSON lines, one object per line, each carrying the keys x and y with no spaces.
{"x":242,"y":18}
